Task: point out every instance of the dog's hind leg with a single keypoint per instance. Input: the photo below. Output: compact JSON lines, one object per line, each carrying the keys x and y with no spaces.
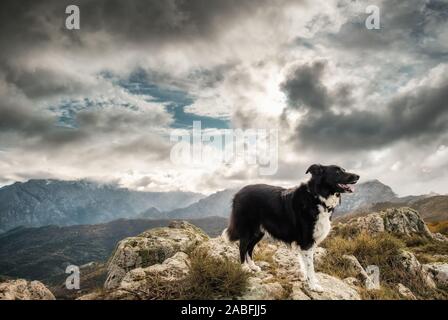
{"x":308,"y":257}
{"x":250,"y":249}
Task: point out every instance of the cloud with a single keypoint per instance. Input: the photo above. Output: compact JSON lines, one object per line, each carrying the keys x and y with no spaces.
{"x":417,"y":114}
{"x":369,"y":100}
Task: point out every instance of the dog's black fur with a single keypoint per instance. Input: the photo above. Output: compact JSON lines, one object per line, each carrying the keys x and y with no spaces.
{"x":288,"y":215}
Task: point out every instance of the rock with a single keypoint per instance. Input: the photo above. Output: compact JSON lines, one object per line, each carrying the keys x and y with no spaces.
{"x":333,"y":289}
{"x":439,"y":272}
{"x":439,"y":237}
{"x":219,"y":249}
{"x":137,"y":283}
{"x":371,"y":223}
{"x":356,"y":266}
{"x":405,"y":292}
{"x":412,"y":265}
{"x":352,"y":282}
{"x":259,"y":289}
{"x":151,"y":247}
{"x":404,"y":221}
{"x":287,"y":262}
{"x":24,"y":290}
{"x":297,"y":292}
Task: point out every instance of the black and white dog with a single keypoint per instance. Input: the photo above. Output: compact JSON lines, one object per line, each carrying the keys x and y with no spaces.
{"x":299,"y":216}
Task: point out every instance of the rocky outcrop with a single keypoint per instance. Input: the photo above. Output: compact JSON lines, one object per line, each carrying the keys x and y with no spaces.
{"x":137,"y":282}
{"x":24,"y":290}
{"x":150,"y":248}
{"x":439,"y":272}
{"x":163,"y":254}
{"x":410,"y":264}
{"x":400,"y":221}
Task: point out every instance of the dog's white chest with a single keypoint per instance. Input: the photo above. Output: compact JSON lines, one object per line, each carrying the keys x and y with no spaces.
{"x":323,"y":225}
{"x":330,"y":202}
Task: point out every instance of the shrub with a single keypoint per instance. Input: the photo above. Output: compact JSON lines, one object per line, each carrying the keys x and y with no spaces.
{"x":382,"y":250}
{"x":212,"y":278}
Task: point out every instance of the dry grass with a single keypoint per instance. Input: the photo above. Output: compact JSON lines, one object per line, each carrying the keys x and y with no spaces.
{"x":439,"y":226}
{"x":383,"y":251}
{"x":209,"y":278}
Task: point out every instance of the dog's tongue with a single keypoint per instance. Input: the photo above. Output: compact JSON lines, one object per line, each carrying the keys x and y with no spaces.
{"x":347,"y":187}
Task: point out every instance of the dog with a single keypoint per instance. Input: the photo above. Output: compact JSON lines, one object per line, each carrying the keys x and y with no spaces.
{"x":299,"y":216}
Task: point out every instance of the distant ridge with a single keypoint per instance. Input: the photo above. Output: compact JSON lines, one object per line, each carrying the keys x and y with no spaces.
{"x":46,"y":202}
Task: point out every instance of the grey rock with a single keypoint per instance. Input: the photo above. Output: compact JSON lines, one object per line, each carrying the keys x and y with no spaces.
{"x":151,"y":247}
{"x":405,"y":292}
{"x":439,"y":272}
{"x":21,"y":289}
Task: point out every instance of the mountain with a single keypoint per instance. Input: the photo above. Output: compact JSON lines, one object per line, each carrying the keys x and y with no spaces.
{"x":217,"y":204}
{"x":365,"y":195}
{"x":45,"y":202}
{"x":431,"y":208}
{"x":43,"y":253}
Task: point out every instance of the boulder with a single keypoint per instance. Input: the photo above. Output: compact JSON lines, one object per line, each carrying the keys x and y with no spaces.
{"x":439,"y":272}
{"x":333,"y":289}
{"x":410,"y":263}
{"x":371,"y":223}
{"x":24,"y":290}
{"x":259,"y":288}
{"x":219,"y":249}
{"x":137,"y":282}
{"x":356,"y":266}
{"x":405,"y":292}
{"x":401,"y":221}
{"x":151,"y":247}
{"x":405,"y":221}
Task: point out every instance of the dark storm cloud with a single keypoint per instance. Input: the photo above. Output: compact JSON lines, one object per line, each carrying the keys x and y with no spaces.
{"x":304,"y":88}
{"x":422,"y":114}
{"x":404,"y":24}
{"x":41,"y":82}
{"x":37,"y":22}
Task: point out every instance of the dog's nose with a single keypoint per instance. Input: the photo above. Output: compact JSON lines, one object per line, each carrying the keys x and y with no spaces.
{"x":356,"y":177}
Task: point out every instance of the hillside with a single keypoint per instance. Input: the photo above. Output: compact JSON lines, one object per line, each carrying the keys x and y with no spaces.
{"x":43,"y":253}
{"x":53,"y":202}
{"x":433,"y":208}
{"x":216,"y":204}
{"x":181,"y":262}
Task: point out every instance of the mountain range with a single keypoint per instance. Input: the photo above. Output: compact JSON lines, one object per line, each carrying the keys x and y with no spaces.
{"x":54,"y":202}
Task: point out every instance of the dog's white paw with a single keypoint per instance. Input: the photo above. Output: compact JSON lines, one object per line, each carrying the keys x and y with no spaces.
{"x":315,"y":287}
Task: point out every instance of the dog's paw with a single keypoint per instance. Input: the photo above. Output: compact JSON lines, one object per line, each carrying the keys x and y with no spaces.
{"x":315,"y":287}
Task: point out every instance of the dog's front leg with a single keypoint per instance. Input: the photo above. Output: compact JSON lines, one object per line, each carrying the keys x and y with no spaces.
{"x":308,"y":257}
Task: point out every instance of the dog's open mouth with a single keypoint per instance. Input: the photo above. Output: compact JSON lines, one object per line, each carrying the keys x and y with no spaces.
{"x":346,"y":187}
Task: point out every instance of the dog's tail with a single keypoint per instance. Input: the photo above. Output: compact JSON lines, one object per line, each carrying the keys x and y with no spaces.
{"x":230,"y":233}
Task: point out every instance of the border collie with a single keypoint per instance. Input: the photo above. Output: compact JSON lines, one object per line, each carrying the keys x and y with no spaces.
{"x":299,"y":216}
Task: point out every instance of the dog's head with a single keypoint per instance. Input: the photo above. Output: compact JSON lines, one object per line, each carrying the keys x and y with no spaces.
{"x":334,"y":177}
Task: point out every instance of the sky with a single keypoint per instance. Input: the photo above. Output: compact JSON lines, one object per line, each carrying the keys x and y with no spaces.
{"x":103,"y":101}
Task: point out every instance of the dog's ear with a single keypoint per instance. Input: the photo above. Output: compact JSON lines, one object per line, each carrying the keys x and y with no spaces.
{"x":315,"y":169}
